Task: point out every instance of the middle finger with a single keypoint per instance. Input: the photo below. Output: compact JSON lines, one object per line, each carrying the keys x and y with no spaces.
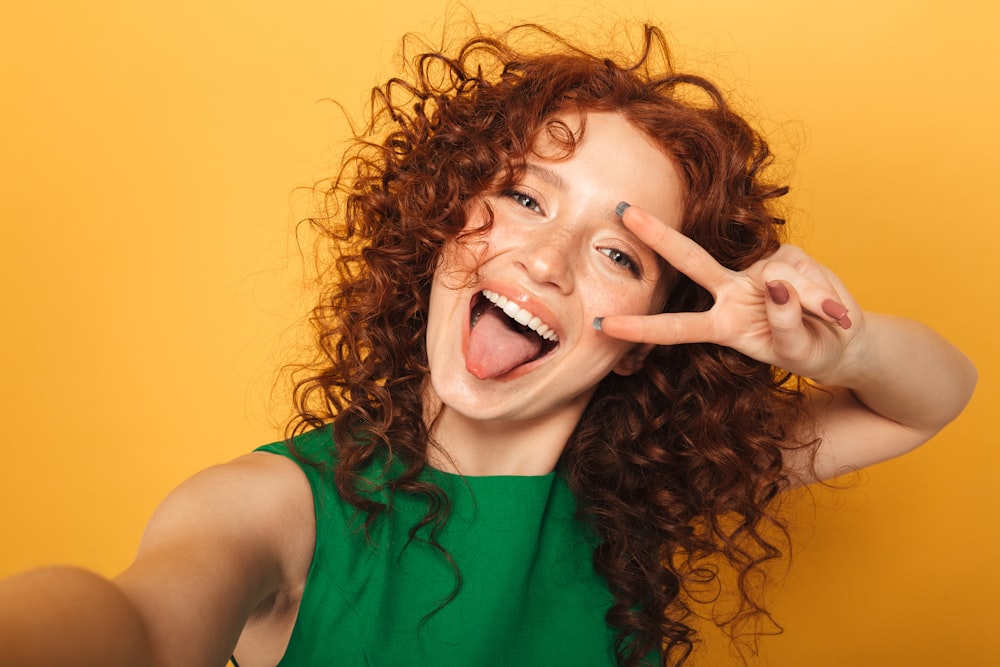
{"x":678,"y":250}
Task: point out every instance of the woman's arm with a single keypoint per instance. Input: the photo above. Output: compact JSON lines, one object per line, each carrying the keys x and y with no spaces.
{"x":899,"y":383}
{"x":884,"y":385}
{"x":69,"y":617}
{"x":222,"y":544}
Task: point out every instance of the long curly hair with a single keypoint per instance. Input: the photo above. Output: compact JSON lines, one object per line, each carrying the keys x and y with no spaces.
{"x":676,"y":467}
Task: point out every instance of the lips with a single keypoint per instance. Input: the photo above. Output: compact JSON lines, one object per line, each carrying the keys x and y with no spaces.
{"x":503,"y":336}
{"x":521,"y":316}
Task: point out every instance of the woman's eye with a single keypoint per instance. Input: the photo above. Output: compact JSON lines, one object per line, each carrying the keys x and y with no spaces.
{"x":524,"y":200}
{"x":621,"y":259}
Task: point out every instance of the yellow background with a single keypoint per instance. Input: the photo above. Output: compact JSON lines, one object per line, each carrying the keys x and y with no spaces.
{"x":149,"y":154}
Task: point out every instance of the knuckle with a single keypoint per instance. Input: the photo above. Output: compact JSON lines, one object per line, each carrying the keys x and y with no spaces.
{"x":677,"y":329}
{"x":689,"y":257}
{"x":770,"y":270}
{"x":803,"y":265}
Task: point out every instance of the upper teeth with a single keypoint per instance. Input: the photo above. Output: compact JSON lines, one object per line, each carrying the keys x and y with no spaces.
{"x":521,"y":316}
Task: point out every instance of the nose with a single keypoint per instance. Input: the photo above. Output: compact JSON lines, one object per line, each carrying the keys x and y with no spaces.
{"x":547,"y":258}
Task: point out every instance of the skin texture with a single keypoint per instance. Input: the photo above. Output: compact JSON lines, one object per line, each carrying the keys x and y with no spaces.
{"x":552,"y":249}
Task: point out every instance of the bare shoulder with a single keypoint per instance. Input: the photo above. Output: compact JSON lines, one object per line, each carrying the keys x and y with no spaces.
{"x":258,"y":508}
{"x":225,"y":544}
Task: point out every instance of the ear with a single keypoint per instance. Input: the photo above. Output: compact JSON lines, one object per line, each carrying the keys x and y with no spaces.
{"x":634,"y":359}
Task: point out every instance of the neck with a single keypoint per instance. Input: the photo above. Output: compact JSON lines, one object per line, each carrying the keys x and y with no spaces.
{"x":480,"y":448}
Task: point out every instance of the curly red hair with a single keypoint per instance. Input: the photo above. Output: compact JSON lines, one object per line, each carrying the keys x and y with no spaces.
{"x":676,"y":466}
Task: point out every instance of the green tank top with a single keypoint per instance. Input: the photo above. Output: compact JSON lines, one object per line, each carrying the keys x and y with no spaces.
{"x":529,"y":594}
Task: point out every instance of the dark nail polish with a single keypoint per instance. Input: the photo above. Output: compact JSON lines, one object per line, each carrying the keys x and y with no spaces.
{"x":597,"y":322}
{"x":620,"y":209}
{"x":778,"y":292}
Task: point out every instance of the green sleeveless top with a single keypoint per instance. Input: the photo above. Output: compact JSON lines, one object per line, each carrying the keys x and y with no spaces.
{"x":528,"y":593}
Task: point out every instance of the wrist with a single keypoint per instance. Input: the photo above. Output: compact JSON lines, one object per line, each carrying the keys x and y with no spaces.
{"x":859,"y":362}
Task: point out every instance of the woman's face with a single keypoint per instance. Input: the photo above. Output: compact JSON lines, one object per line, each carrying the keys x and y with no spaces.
{"x":556,"y":257}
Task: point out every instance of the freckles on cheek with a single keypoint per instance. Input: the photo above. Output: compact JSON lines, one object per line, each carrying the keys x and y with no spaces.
{"x":626,"y":302}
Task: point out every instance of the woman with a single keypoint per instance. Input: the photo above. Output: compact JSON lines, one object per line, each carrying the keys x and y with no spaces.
{"x":541,"y":415}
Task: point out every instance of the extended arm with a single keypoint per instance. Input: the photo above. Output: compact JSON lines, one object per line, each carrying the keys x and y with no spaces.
{"x":222,"y":544}
{"x":69,"y":617}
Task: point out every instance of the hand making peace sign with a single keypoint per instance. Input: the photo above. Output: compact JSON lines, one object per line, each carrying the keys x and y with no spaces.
{"x":786,"y":310}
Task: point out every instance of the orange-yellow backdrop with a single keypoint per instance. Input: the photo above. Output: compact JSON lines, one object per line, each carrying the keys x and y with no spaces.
{"x":148,"y":152}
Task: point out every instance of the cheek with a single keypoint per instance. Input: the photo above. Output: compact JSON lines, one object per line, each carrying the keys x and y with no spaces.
{"x":459,"y":263}
{"x":638,"y":300}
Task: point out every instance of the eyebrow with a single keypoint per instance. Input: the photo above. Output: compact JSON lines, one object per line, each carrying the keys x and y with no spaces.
{"x":547,"y":175}
{"x":557,"y":181}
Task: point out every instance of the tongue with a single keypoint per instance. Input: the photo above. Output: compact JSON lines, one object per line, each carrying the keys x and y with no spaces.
{"x":495,"y":348}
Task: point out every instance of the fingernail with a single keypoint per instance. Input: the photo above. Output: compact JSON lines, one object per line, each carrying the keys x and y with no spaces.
{"x":778,"y":292}
{"x":838,"y":312}
{"x":834,"y":309}
{"x":620,"y":209}
{"x":597,"y":322}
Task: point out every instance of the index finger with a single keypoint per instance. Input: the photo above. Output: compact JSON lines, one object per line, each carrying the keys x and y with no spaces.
{"x":678,"y":250}
{"x":661,"y":329}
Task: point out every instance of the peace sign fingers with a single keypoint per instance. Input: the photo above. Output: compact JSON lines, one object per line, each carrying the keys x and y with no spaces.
{"x":786,"y":309}
{"x":678,"y":250}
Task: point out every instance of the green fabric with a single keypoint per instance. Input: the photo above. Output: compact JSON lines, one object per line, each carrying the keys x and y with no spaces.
{"x":529,"y":594}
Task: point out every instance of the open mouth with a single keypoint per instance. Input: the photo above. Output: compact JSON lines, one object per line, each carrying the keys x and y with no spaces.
{"x":503,"y":336}
{"x":517,"y":315}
